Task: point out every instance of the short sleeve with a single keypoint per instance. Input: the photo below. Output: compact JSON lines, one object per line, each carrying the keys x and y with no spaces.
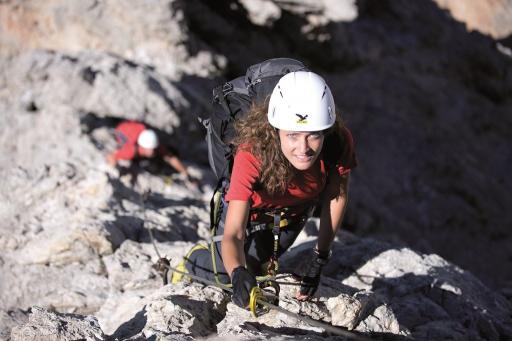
{"x":243,"y":176}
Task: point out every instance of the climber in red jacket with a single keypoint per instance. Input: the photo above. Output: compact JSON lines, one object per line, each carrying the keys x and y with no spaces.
{"x":136,"y":141}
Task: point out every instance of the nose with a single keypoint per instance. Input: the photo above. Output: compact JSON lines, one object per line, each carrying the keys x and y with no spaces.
{"x":303,"y":146}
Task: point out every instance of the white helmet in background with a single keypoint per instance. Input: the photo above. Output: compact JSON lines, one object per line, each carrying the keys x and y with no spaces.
{"x":148,"y":139}
{"x":301,"y":101}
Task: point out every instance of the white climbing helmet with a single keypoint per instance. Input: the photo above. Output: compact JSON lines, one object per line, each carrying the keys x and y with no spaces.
{"x":148,"y":139}
{"x":301,"y":101}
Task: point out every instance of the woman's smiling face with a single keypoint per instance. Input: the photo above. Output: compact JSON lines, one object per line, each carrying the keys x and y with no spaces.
{"x":301,"y":148}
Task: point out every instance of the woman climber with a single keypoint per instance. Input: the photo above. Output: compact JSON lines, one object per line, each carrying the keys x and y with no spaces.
{"x":293,"y":155}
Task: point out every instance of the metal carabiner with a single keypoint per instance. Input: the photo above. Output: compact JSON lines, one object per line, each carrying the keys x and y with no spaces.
{"x":254,"y":297}
{"x":261,"y":293}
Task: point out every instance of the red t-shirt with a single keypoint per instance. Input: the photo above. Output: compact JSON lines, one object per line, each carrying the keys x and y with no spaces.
{"x":127,"y":134}
{"x":304,"y":188}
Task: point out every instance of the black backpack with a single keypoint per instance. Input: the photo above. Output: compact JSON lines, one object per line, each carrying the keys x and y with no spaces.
{"x":232,"y":100}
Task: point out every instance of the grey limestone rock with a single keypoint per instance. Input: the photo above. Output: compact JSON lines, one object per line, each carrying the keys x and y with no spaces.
{"x":188,"y":310}
{"x":49,"y":326}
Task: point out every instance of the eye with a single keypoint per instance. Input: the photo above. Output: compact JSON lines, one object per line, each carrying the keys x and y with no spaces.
{"x":292,"y":136}
{"x":315,"y":136}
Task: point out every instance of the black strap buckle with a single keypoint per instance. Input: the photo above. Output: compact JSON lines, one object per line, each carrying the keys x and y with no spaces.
{"x":227,"y":87}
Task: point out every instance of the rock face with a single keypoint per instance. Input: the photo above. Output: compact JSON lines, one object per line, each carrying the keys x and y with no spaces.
{"x":396,"y":292}
{"x":427,"y":103}
{"x":490,"y":17}
{"x":409,"y":293}
{"x":147,"y":32}
{"x":44,"y":325}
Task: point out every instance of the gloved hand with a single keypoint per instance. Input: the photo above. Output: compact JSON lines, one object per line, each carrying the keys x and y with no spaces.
{"x":243,"y":282}
{"x":311,"y":279}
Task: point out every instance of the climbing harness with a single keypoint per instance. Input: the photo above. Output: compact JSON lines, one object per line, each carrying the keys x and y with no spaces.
{"x":280,"y":219}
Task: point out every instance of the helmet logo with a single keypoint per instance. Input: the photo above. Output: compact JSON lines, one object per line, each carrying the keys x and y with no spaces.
{"x":302,"y":119}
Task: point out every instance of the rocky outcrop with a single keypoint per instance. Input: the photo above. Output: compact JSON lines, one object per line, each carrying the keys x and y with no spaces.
{"x":149,"y":32}
{"x":489,"y":17}
{"x":396,"y":292}
{"x":65,"y":209}
{"x":45,"y":325}
{"x":425,"y":100}
{"x":101,"y":84}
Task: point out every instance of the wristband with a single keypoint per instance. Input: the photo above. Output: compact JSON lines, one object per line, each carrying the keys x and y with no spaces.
{"x":322,"y":256}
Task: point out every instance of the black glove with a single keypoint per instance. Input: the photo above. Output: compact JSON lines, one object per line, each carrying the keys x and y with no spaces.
{"x":311,"y":279}
{"x":243,"y":282}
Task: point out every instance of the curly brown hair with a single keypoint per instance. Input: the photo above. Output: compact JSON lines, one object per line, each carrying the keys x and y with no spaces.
{"x":255,"y":133}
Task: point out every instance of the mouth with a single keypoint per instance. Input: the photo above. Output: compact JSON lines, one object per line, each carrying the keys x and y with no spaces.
{"x":304,"y":158}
